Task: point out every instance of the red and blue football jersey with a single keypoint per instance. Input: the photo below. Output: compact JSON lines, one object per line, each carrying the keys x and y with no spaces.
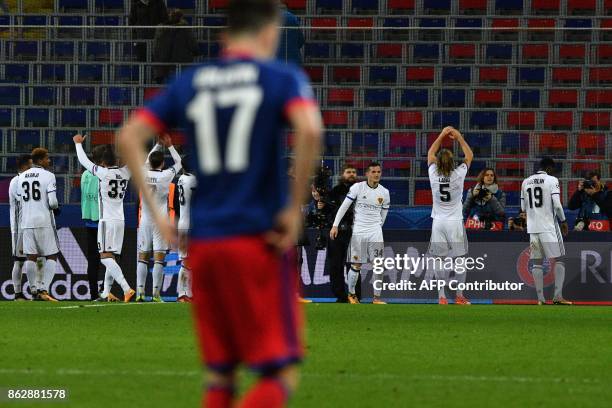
{"x":234,"y":114}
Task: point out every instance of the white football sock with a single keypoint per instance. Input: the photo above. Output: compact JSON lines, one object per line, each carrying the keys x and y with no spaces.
{"x":559,"y":279}
{"x":460,"y":278}
{"x":158,"y":277}
{"x":188,"y":282}
{"x":538,"y":280}
{"x":31,"y":272}
{"x":16,"y":276}
{"x":48,"y":273}
{"x":115,"y":272}
{"x":141,"y":277}
{"x":181,"y":285}
{"x":377,"y":278}
{"x":441,"y":275}
{"x":353,"y":277}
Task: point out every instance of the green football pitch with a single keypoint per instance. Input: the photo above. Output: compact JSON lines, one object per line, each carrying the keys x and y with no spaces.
{"x":144,"y":355}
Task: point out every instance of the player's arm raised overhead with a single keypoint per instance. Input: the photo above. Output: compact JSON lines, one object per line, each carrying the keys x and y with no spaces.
{"x":467,"y":150}
{"x":155,"y":148}
{"x":435,"y":146}
{"x":178,"y":164}
{"x":84,"y":160}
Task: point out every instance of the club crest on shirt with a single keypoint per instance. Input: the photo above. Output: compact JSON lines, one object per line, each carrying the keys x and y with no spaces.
{"x":380,"y":200}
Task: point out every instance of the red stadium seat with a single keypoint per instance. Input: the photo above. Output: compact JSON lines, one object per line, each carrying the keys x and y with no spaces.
{"x":572,"y":53}
{"x":346,"y":74}
{"x":563,"y":98}
{"x":558,"y":120}
{"x":600,"y":75}
{"x":488,"y":97}
{"x":315,"y":73}
{"x":462,"y":52}
{"x":408,"y":120}
{"x":534,"y":53}
{"x":420,"y":74}
{"x":607,"y":34}
{"x":591,"y":144}
{"x":604,"y":53}
{"x":542,"y":23}
{"x":364,"y":23}
{"x":503,"y":29}
{"x":216,"y":5}
{"x":521,"y":120}
{"x":402,"y":144}
{"x":581,"y":7}
{"x":493,"y":74}
{"x":340,"y":96}
{"x":320,"y":23}
{"x":599,"y":98}
{"x":511,"y":168}
{"x":102,"y":137}
{"x":423,"y":197}
{"x":541,"y":29}
{"x":432,"y":136}
{"x":510,"y":185}
{"x":607,"y":7}
{"x":298,"y":6}
{"x":473,"y":6}
{"x":400,"y":6}
{"x":584,"y":167}
{"x":335,"y":118}
{"x":150,"y":93}
{"x":596,"y":120}
{"x":110,"y":117}
{"x":553,"y":143}
{"x":545,"y":6}
{"x":361,"y":22}
{"x":388,"y":51}
{"x":567,"y":75}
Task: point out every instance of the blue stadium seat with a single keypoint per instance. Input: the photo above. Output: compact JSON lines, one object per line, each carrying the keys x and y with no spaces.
{"x":90,"y":73}
{"x":415,"y":97}
{"x":97,"y":51}
{"x":526,"y":98}
{"x":35,"y":20}
{"x":483,"y":120}
{"x":59,"y":164}
{"x":53,"y":72}
{"x":81,"y":95}
{"x":328,"y":6}
{"x":107,"y":20}
{"x":371,"y":120}
{"x":318,"y":51}
{"x":63,"y":141}
{"x":429,"y":34}
{"x":468,"y":22}
{"x":75,"y":194}
{"x":25,"y":50}
{"x":392,"y":22}
{"x":364,"y":143}
{"x":10,"y":95}
{"x":399,"y":191}
{"x":509,"y":6}
{"x":436,"y":6}
{"x":349,"y":51}
{"x":577,"y":35}
{"x":110,"y":5}
{"x":6,"y":117}
{"x":498,"y":53}
{"x":125,"y":51}
{"x":74,"y":117}
{"x":72,"y":5}
{"x":70,"y":20}
{"x":364,"y":6}
{"x":377,"y":97}
{"x":182,"y":4}
{"x":449,"y":98}
{"x":530,"y":75}
{"x":513,"y":198}
{"x":383,"y":75}
{"x":458,"y":74}
{"x":35,"y":117}
{"x":127,"y":73}
{"x":214,"y":21}
{"x":44,"y":95}
{"x":62,"y":50}
{"x":476,"y":167}
{"x":26,"y":140}
{"x":333,"y":143}
{"x":469,"y":29}
{"x":441,"y":119}
{"x":16,"y":73}
{"x":120,"y":96}
{"x":480,"y":143}
{"x":426,"y":52}
{"x":514,"y":143}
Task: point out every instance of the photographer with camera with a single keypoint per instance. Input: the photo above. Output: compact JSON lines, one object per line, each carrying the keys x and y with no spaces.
{"x":519,"y":223}
{"x":485,"y":202}
{"x":583,"y":200}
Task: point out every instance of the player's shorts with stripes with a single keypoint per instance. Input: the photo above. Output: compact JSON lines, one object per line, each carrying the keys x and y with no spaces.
{"x":40,"y":241}
{"x":365,"y":247}
{"x":110,"y":236}
{"x":448,"y":238}
{"x":183,"y":243}
{"x":150,"y":239}
{"x":547,"y":244}
{"x":17,"y":244}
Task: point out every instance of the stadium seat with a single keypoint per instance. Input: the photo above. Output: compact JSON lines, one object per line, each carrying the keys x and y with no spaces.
{"x":72,"y":5}
{"x":581,"y":7}
{"x":567,"y":75}
{"x":352,"y":52}
{"x":553,"y":144}
{"x":504,"y":7}
{"x":318,"y":52}
{"x":462,"y":53}
{"x":383,"y":75}
{"x":44,"y":95}
{"x":414,"y":98}
{"x":451,"y":98}
{"x":427,"y":140}
{"x":35,"y":117}
{"x":534,"y":54}
{"x":595,"y":120}
{"x":10,"y":95}
{"x":90,"y":73}
{"x":512,"y":189}
{"x":333,"y":144}
{"x":488,"y":97}
{"x":468,"y":29}
{"x":127,"y":73}
{"x":397,"y":168}
{"x":119,"y":96}
{"x":514,"y":143}
{"x":110,"y":117}
{"x":346,"y":74}
{"x":185,"y":5}
{"x":584,"y":167}
{"x":505,"y":29}
{"x":547,"y":7}
{"x":456,"y":75}
{"x":521,"y":120}
{"x":361,"y":28}
{"x":81,"y":96}
{"x":432,"y":7}
{"x":149,"y":93}
{"x":426,"y":53}
{"x":530,"y":75}
{"x":16,"y":73}
{"x":104,"y":32}
{"x":483,"y":120}
{"x":394,"y":27}
{"x":400,"y":6}
{"x":59,"y":164}
{"x":480,"y":143}
{"x":511,"y":168}
{"x":319,"y":25}
{"x":63,"y":51}
{"x":74,"y":117}
{"x":579,"y":35}
{"x":340,"y":96}
{"x":26,"y":140}
{"x":315,"y":73}
{"x":495,"y":75}
{"x":598,"y":98}
{"x":371,"y":119}
{"x":408,"y":120}
{"x":603,"y":53}
{"x":571,"y":53}
{"x":600,"y":75}
{"x":217,"y":5}
{"x":473,"y":7}
{"x":296,"y":6}
{"x":101,"y":137}
{"x":422,"y":193}
{"x":440,"y":119}
{"x":498,"y":53}
{"x":388,"y":52}
{"x":555,"y":120}
{"x":364,"y":143}
{"x":377,"y":97}
{"x":25,"y":50}
{"x":591,"y":144}
{"x":607,"y":7}
{"x":402,"y":144}
{"x":420,"y":74}
{"x":328,"y":6}
{"x":111,"y":6}
{"x":335,"y":118}
{"x":398,"y":189}
{"x":429,"y":31}
{"x":542,"y":29}
{"x":6,"y":117}
{"x":97,"y":51}
{"x":563,"y":98}
{"x":525,"y":98}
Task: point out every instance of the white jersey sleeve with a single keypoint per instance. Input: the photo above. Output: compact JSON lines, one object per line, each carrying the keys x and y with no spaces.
{"x":15,"y":204}
{"x":186,"y":185}
{"x":447,"y":192}
{"x":98,"y":171}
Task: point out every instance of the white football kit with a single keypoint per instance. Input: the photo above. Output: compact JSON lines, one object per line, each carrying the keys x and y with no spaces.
{"x":540,"y":199}
{"x":149,"y":237}
{"x":36,"y":191}
{"x":15,"y":216}
{"x":371,"y":207}
{"x":186,"y":185}
{"x":448,"y":236}
{"x":111,"y":192}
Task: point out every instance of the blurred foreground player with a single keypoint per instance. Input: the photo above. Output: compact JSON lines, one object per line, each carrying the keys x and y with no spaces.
{"x":234,"y":112}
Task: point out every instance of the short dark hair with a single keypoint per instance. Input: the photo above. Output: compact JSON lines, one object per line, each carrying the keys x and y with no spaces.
{"x":250,"y":16}
{"x":156,"y":159}
{"x":547,"y":163}
{"x":97,"y":153}
{"x":594,"y":173}
{"x":109,"y":158}
{"x":373,"y":164}
{"x":39,"y":154}
{"x":23,"y":161}
{"x":348,"y":166}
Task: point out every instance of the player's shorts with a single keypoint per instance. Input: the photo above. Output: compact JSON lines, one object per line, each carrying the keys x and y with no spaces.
{"x":150,"y":239}
{"x":245,"y":304}
{"x":183,"y":243}
{"x":110,"y":236}
{"x":547,"y":244}
{"x":448,"y":239}
{"x":40,"y":241}
{"x":365,"y":247}
{"x":17,"y":244}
